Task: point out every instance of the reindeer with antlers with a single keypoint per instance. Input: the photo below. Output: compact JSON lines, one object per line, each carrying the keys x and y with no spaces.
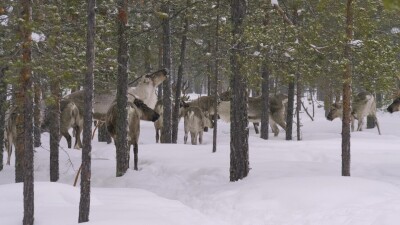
{"x":158,"y":125}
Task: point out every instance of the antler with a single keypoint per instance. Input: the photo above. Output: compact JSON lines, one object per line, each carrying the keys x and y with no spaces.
{"x":185,"y":87}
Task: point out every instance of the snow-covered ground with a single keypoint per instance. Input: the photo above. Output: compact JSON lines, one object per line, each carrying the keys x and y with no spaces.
{"x":290,"y":182}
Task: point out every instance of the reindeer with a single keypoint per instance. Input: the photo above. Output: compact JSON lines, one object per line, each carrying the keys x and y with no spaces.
{"x":158,"y":125}
{"x":206,"y":104}
{"x":10,"y":131}
{"x":136,"y":111}
{"x":277,"y":111}
{"x":395,"y":106}
{"x":363,"y":105}
{"x":69,"y":118}
{"x":145,"y":90}
{"x":195,"y":121}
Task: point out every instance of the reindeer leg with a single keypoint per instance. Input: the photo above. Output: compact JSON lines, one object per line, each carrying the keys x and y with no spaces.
{"x":360,"y":124}
{"x":157,"y":135}
{"x":185,"y":137}
{"x":9,"y":152}
{"x":256,"y":127}
{"x":193,"y":138}
{"x":352,"y":124}
{"x":67,"y":136}
{"x":78,"y":142}
{"x":377,"y":124}
{"x":135,"y":155}
{"x":128,"y":154}
{"x":200,"y":137}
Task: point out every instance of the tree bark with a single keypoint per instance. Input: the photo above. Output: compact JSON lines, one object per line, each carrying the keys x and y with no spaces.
{"x":216,"y":78}
{"x":25,"y":125}
{"x":298,"y":105}
{"x":347,"y":77}
{"x":160,"y":65}
{"x":175,"y":115}
{"x":121,"y":143}
{"x":84,"y":203}
{"x":290,"y":108}
{"x":167,"y":62}
{"x":36,"y":113}
{"x":55,"y":130}
{"x":265,"y":100}
{"x":239,"y":148}
{"x":102,"y":134}
{"x":3,"y":109}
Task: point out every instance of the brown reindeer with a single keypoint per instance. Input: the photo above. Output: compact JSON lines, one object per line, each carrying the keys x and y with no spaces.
{"x":136,"y":111}
{"x":395,"y":106}
{"x":277,"y":110}
{"x":69,"y":118}
{"x":195,"y":121}
{"x":10,"y":131}
{"x":145,"y":90}
{"x":363,"y":105}
{"x":158,"y":125}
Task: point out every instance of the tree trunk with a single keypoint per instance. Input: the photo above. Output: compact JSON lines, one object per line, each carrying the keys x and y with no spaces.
{"x":175,"y":115}
{"x":25,"y":125}
{"x":298,"y":105}
{"x":290,"y":108}
{"x":3,"y":109}
{"x":167,"y":62}
{"x":121,"y":144}
{"x":55,"y":130}
{"x":102,"y":133}
{"x":147,"y":58}
{"x":328,"y":98}
{"x":265,"y":100}
{"x":216,"y":77}
{"x":84,"y":203}
{"x":347,"y":76}
{"x":160,"y":65}
{"x":239,"y":150}
{"x":36,"y":113}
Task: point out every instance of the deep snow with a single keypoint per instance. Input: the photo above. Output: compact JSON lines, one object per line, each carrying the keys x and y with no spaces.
{"x":290,"y":182}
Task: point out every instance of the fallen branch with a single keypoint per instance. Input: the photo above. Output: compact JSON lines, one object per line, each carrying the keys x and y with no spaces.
{"x":77,"y":175}
{"x":305,"y":109}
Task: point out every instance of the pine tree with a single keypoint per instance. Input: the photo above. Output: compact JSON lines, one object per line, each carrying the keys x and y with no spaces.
{"x":239,"y":165}
{"x":167,"y":63}
{"x":347,"y":78}
{"x":121,"y":143}
{"x":84,"y":203}
{"x":216,"y":77}
{"x":3,"y":108}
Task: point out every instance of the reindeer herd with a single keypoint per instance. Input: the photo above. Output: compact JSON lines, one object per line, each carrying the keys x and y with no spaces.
{"x":197,"y":114}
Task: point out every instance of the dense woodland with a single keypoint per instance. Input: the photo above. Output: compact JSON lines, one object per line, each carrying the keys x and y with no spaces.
{"x":324,"y":48}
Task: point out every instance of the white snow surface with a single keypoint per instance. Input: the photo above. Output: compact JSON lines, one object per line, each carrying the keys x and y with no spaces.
{"x":290,"y":182}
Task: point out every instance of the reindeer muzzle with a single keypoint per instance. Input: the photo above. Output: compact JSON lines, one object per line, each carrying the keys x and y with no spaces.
{"x":155,"y":117}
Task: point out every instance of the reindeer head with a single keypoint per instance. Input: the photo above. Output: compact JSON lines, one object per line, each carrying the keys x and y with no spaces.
{"x":155,"y":78}
{"x":225,"y":96}
{"x":395,"y":106}
{"x":183,"y":94}
{"x":146,"y":112}
{"x":336,"y":111}
{"x":207,"y":121}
